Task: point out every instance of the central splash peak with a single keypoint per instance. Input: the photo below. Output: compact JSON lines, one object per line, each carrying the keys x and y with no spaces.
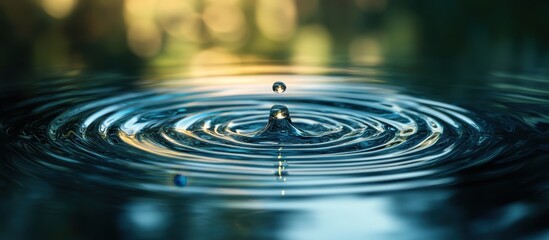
{"x":280,"y":124}
{"x":279,"y":112}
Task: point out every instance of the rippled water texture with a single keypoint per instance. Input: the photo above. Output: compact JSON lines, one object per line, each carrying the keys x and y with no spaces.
{"x":211,"y":136}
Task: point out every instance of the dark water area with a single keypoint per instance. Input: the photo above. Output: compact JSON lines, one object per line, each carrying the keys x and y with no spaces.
{"x":367,"y":153}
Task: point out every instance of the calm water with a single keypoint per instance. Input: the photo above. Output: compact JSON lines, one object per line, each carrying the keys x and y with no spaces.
{"x":356,"y":154}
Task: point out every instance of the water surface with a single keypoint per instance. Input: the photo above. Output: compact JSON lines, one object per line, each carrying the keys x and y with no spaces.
{"x":367,"y":153}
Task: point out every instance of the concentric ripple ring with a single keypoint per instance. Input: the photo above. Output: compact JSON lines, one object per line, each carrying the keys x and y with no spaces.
{"x":362,"y":138}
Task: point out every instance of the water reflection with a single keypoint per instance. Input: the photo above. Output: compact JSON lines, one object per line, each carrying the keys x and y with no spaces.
{"x":281,"y":173}
{"x":431,"y":214}
{"x":144,"y":219}
{"x":510,"y":205}
{"x":180,"y":180}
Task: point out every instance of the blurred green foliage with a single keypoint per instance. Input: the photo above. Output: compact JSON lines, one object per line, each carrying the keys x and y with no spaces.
{"x":130,"y":35}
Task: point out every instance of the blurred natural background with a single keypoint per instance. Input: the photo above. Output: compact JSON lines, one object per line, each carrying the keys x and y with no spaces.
{"x":128,"y":36}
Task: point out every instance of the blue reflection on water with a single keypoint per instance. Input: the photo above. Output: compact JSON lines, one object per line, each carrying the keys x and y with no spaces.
{"x":180,"y":180}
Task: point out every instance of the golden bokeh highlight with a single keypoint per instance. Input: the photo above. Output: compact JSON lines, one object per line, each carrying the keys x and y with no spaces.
{"x":143,"y":34}
{"x":225,"y":20}
{"x":276,"y":19}
{"x":203,"y":61}
{"x":365,"y":50}
{"x":139,"y":9}
{"x":313,"y":45}
{"x":195,"y":34}
{"x":214,"y":56}
{"x":179,"y":19}
{"x":144,"y":39}
{"x":58,"y":8}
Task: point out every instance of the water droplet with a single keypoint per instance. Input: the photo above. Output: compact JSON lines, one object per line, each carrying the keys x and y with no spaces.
{"x":180,"y":180}
{"x":279,"y":112}
{"x":279,"y":87}
{"x":280,"y":125}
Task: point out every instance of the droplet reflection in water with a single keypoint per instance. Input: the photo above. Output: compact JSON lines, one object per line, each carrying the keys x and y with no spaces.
{"x":279,"y":87}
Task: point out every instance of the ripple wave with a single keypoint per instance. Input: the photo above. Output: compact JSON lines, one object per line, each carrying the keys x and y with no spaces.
{"x":198,"y":138}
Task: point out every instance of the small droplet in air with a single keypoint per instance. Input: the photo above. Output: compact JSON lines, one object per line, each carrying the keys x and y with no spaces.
{"x":279,"y":87}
